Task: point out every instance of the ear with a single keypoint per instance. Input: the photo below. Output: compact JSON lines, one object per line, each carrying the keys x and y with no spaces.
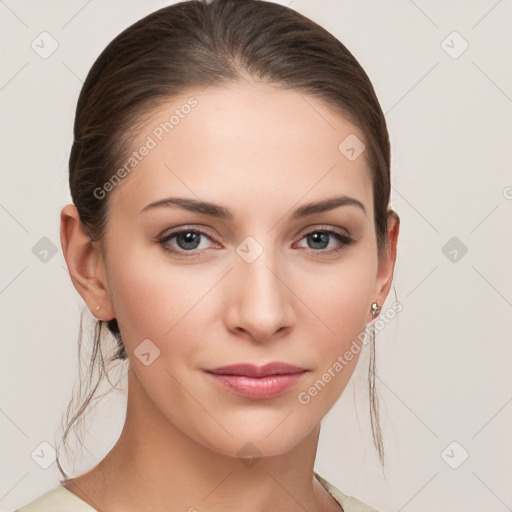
{"x":386,"y":265}
{"x":85,"y":263}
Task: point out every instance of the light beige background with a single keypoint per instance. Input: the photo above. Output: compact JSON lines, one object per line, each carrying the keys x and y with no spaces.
{"x":443,"y":364}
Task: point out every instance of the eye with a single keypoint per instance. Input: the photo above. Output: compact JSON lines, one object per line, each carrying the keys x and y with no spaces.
{"x":320,"y":238}
{"x":187,"y":240}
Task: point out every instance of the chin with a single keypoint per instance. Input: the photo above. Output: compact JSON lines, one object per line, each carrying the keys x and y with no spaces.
{"x":259,"y":439}
{"x":253,"y":448}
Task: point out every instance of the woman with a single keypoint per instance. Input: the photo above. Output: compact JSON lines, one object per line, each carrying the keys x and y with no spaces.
{"x":231,"y":226}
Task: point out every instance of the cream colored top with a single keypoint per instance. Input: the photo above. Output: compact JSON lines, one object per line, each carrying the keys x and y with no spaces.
{"x":59,"y":499}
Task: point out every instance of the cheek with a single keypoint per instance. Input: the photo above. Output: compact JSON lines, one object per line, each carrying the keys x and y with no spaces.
{"x":138,"y":302}
{"x":156,"y":300}
{"x":340,"y":297}
{"x":143,"y":294}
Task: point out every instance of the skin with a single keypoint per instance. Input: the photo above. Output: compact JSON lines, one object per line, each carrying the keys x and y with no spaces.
{"x":260,"y":152}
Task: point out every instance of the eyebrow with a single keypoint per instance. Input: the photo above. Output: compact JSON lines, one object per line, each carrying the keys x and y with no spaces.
{"x":221,"y":212}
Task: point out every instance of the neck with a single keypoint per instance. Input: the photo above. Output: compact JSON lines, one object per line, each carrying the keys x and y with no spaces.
{"x":156,"y":466}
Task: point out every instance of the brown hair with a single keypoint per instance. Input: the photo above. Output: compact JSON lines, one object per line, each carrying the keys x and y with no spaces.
{"x":198,"y":43}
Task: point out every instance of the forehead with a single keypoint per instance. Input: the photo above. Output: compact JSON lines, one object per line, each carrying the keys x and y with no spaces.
{"x":244,"y":143}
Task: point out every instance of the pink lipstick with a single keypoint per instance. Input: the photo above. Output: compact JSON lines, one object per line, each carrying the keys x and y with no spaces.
{"x":257,"y":382}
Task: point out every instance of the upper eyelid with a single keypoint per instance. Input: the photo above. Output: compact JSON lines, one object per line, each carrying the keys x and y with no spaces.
{"x":177,"y":231}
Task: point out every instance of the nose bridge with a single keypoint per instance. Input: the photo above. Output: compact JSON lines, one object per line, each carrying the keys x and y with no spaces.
{"x":260,"y":302}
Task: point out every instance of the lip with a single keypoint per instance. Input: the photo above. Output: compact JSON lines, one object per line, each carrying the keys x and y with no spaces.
{"x":257,"y":382}
{"x":252,"y":370}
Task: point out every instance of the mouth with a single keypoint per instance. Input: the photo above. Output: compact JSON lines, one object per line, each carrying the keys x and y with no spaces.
{"x":257,"y":382}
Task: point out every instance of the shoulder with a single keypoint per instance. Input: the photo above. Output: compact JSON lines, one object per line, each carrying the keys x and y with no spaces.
{"x":349,"y":503}
{"x":57,"y":499}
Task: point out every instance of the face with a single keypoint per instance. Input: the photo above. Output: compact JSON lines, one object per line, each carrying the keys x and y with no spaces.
{"x":193,"y":291}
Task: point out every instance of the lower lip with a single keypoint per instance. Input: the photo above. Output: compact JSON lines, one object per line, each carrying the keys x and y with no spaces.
{"x":257,"y":387}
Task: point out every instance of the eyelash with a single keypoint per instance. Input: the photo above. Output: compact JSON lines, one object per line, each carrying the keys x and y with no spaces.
{"x":344,"y":239}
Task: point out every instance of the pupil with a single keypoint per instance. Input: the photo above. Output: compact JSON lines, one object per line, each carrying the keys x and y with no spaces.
{"x":190,"y":239}
{"x":320,"y":238}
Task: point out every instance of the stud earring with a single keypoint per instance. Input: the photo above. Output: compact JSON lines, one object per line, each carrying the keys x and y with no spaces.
{"x":375,"y":309}
{"x":97,"y":308}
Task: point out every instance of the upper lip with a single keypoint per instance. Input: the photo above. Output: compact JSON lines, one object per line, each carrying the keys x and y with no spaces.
{"x":252,"y":370}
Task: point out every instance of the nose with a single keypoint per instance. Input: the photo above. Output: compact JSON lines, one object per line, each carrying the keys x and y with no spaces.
{"x":259,"y":299}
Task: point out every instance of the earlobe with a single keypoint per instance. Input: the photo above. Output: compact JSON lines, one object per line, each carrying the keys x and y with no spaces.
{"x":85,"y":264}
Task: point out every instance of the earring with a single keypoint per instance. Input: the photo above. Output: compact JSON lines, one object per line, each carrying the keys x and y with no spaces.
{"x":375,"y":309}
{"x":97,"y":308}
